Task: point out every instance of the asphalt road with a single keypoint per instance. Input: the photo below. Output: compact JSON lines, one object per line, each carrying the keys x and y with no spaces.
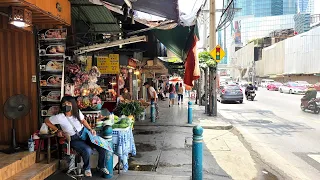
{"x":284,"y":137}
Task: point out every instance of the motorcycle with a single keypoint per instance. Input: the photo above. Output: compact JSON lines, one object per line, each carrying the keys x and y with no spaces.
{"x":312,"y":105}
{"x":251,"y":94}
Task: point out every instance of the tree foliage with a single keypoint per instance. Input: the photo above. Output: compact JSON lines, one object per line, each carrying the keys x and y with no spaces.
{"x":206,"y":60}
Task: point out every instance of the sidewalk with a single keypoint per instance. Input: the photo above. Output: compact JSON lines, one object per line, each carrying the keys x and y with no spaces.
{"x":177,"y":115}
{"x":164,"y":148}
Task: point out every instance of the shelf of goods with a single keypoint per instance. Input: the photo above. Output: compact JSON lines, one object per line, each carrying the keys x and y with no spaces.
{"x":51,"y":47}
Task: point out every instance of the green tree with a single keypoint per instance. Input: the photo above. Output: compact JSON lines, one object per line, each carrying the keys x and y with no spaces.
{"x":206,"y":60}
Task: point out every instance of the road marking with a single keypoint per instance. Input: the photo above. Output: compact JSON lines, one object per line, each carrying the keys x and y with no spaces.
{"x":315,"y":157}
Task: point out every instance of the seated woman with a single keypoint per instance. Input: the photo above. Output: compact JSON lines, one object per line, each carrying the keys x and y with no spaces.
{"x":72,"y":123}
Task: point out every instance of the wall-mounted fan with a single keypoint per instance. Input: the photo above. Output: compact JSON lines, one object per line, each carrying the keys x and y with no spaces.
{"x":14,"y":108}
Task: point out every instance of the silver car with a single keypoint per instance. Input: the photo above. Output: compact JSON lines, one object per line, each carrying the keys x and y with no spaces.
{"x":230,"y":93}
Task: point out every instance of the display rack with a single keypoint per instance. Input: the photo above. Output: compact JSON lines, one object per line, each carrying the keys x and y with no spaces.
{"x":51,"y":62}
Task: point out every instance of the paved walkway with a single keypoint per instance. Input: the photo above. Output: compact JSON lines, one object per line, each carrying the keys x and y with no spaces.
{"x":177,"y":115}
{"x":164,"y":148}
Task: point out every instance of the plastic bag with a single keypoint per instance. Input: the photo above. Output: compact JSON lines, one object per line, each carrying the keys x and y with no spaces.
{"x":44,"y":129}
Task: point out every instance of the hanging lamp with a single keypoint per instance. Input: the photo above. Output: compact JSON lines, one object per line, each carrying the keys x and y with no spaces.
{"x":20,"y":17}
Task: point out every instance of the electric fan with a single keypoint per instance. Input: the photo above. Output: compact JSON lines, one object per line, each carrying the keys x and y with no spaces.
{"x":14,"y":108}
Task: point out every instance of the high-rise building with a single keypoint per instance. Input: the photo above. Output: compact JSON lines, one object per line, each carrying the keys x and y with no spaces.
{"x":302,"y":23}
{"x":262,"y":8}
{"x":305,"y":6}
{"x":257,"y":19}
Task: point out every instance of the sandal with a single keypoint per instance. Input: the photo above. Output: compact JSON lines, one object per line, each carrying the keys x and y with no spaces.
{"x":103,"y":170}
{"x":87,"y":173}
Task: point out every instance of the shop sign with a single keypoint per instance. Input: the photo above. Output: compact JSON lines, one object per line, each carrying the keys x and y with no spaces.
{"x":132,"y":63}
{"x":109,"y":65}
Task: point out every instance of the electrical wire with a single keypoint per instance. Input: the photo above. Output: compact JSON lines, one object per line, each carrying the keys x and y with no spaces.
{"x":227,"y":16}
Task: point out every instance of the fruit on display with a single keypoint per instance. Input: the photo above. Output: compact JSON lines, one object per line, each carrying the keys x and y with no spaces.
{"x":123,"y":123}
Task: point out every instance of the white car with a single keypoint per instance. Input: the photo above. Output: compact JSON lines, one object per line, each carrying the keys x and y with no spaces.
{"x":266,"y":82}
{"x":292,"y":88}
{"x":303,"y":83}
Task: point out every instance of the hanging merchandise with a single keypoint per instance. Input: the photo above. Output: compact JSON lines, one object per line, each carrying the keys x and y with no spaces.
{"x":51,"y":46}
{"x":82,"y":83}
{"x":121,"y":82}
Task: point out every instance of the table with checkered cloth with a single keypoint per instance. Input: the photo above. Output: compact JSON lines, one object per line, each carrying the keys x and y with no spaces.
{"x":123,"y":145}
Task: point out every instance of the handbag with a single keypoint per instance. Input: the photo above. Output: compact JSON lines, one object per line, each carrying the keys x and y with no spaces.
{"x":44,"y":129}
{"x":77,"y":136}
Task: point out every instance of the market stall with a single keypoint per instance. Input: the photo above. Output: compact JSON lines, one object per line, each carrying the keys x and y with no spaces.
{"x":96,"y":89}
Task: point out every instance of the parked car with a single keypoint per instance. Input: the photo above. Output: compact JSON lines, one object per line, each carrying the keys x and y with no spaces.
{"x":293,"y":88}
{"x":265,"y":82}
{"x":317,"y":86}
{"x":303,"y":83}
{"x":274,"y":86}
{"x":230,"y":93}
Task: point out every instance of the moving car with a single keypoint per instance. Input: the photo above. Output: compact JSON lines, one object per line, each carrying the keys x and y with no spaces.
{"x":265,"y":82}
{"x":230,"y":93}
{"x":274,"y":86}
{"x":303,"y":83}
{"x":293,"y":88}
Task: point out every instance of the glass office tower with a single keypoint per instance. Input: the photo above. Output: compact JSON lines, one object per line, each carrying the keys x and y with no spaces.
{"x":305,"y":6}
{"x":257,"y":19}
{"x":263,"y":8}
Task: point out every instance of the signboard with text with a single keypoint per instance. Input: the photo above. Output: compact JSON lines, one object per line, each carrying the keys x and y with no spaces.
{"x":109,"y":64}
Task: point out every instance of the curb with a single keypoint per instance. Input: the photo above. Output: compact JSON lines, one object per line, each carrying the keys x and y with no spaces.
{"x":218,"y":127}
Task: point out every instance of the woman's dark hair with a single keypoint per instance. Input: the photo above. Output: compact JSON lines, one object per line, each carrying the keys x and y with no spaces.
{"x":75,"y":109}
{"x":171,"y":88}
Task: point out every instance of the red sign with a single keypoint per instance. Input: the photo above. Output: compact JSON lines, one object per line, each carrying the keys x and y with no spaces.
{"x":132,"y":63}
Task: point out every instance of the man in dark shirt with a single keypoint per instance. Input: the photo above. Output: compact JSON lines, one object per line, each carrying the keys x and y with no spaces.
{"x":248,"y":88}
{"x":310,"y":94}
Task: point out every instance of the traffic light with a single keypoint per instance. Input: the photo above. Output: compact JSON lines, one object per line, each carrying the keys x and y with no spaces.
{"x":217,"y":53}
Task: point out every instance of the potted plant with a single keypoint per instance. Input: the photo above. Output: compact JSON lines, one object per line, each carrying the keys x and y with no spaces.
{"x":129,"y":108}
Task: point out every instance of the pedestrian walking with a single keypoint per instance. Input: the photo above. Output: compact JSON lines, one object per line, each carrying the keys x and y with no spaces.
{"x":177,"y":87}
{"x":172,"y":92}
{"x":180,"y":94}
{"x":152,"y":97}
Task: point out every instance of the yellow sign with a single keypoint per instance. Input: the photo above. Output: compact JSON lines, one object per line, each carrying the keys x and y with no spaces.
{"x":114,"y":57}
{"x":109,"y":65}
{"x":88,"y":63}
{"x":217,"y":53}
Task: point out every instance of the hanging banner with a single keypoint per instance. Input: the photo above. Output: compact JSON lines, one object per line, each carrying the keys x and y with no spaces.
{"x":109,"y":65}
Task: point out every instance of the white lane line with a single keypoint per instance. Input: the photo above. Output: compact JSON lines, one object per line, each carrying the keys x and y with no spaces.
{"x":316,"y":157}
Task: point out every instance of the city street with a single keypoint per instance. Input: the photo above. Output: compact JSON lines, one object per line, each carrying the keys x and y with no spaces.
{"x":279,"y":133}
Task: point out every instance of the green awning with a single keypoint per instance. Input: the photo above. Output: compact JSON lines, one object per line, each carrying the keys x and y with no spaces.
{"x":178,"y":40}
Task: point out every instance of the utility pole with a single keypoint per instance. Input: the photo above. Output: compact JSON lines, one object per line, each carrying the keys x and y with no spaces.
{"x":212,"y":71}
{"x":206,"y":90}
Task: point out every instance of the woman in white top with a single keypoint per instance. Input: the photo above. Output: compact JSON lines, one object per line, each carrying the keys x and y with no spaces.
{"x":72,"y":123}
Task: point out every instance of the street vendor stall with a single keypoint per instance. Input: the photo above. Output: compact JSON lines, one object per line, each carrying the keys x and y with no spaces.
{"x":122,"y":137}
